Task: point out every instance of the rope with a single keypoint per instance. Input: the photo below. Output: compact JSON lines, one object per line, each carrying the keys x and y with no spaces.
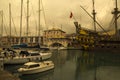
{"x":5,"y":25}
{"x":95,"y":21}
{"x":44,"y":13}
{"x":14,"y":26}
{"x":34,"y":17}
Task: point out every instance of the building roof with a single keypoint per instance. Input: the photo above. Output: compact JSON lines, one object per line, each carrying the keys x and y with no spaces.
{"x":55,"y":29}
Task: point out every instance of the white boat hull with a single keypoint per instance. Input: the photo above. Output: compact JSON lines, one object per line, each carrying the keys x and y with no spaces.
{"x":21,"y":60}
{"x":46,"y":55}
{"x":15,"y":60}
{"x":36,"y":70}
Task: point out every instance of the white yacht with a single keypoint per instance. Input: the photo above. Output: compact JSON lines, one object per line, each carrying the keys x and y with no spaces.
{"x":36,"y":67}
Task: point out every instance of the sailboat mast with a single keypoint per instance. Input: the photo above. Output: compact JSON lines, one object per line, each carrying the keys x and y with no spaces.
{"x":21,"y":20}
{"x":1,"y":28}
{"x":39,"y":21}
{"x":2,"y":24}
{"x":27,"y":20}
{"x":10,"y":21}
{"x":94,"y":15}
{"x":116,"y":12}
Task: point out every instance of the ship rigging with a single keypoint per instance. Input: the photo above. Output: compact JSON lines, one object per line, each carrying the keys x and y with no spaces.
{"x":95,"y":41}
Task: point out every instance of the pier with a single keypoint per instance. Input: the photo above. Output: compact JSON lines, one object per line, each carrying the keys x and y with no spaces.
{"x":4,"y":75}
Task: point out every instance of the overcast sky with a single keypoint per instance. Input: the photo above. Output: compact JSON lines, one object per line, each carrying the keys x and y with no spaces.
{"x":57,"y":14}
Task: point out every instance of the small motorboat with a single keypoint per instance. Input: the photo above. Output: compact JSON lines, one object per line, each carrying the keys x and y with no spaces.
{"x":36,"y":67}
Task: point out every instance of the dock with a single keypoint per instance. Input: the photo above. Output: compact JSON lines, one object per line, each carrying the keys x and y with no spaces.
{"x":4,"y":75}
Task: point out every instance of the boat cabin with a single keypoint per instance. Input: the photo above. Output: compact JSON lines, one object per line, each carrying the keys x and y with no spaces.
{"x":30,"y":65}
{"x":32,"y":53}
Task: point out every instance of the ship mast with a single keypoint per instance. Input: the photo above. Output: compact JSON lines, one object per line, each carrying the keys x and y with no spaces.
{"x":116,"y":12}
{"x":39,"y":21}
{"x":94,"y":15}
{"x":27,"y":20}
{"x":1,"y":12}
{"x":1,"y":24}
{"x":95,"y":21}
{"x":21,"y":21}
{"x":10,"y":22}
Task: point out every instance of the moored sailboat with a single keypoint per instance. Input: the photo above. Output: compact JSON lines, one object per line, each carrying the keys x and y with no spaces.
{"x":23,"y":56}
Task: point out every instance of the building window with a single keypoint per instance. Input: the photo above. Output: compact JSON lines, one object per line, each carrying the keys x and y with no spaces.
{"x":31,"y":39}
{"x":17,"y":40}
{"x":22,"y":39}
{"x":36,"y":39}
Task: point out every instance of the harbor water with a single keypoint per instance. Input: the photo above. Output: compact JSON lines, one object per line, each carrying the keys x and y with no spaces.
{"x":77,"y":65}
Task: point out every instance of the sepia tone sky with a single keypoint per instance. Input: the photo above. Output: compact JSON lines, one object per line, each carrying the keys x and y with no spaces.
{"x":55,"y":13}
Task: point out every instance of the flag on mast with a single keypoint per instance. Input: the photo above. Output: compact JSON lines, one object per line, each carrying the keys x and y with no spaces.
{"x":71,"y":15}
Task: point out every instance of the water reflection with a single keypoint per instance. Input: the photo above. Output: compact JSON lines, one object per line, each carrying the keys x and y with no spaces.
{"x":79,"y":65}
{"x":39,"y":76}
{"x":64,"y":65}
{"x":84,"y":66}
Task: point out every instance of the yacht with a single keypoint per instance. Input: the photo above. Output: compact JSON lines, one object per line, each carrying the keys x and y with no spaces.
{"x":36,"y":67}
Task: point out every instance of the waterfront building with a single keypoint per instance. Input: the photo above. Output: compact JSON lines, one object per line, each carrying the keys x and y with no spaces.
{"x":52,"y":37}
{"x":55,"y":37}
{"x":54,"y":33}
{"x":30,"y":40}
